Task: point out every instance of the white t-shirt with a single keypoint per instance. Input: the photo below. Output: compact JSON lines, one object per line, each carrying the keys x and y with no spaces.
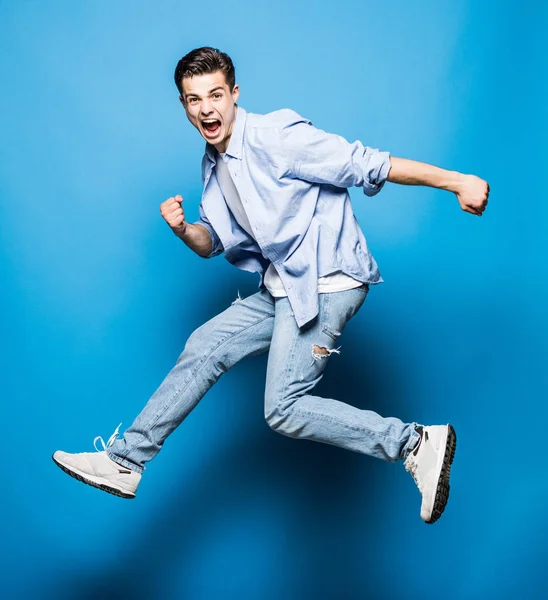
{"x":335,"y":282}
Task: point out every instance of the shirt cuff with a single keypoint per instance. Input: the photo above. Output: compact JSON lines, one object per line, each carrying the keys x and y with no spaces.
{"x":378,"y":168}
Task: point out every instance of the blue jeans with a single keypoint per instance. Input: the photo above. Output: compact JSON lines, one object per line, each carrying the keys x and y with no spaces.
{"x":296,"y":362}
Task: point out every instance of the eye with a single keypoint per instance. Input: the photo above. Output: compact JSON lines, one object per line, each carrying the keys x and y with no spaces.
{"x":217,"y":95}
{"x":192,"y":100}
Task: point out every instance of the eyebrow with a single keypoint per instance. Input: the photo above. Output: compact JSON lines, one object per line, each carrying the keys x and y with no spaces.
{"x":219,"y":87}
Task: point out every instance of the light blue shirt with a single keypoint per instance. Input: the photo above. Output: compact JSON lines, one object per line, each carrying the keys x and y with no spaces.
{"x":292,"y":179}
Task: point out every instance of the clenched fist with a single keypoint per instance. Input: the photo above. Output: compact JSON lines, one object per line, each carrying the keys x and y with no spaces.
{"x":174,"y":215}
{"x":472,"y":194}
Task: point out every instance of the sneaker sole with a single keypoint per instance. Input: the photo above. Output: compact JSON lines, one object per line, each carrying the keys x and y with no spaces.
{"x":94,"y":483}
{"x":442,"y":490}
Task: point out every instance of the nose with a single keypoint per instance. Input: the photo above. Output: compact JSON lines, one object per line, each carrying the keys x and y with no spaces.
{"x":206,"y":108}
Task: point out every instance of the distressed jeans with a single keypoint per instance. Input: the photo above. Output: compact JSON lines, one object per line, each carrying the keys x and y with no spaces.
{"x":296,"y":362}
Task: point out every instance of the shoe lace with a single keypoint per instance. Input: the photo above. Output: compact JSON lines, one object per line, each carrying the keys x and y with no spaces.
{"x":411,"y":467}
{"x":110,"y":441}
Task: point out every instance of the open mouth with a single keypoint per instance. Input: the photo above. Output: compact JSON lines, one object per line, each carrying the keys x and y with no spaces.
{"x":211,"y":127}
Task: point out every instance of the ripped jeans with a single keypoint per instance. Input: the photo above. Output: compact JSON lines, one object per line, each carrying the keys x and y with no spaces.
{"x":296,"y":363}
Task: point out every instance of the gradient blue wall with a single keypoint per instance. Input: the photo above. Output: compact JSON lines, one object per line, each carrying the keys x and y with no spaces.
{"x":98,"y":298}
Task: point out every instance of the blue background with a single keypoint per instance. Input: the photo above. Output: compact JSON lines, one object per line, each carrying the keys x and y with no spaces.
{"x":98,"y":298}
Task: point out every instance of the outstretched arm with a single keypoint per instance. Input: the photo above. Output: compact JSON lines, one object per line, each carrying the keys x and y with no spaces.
{"x":471,"y":191}
{"x":320,"y":157}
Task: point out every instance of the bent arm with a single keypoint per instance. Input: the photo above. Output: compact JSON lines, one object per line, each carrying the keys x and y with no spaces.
{"x":198,"y":239}
{"x":201,"y":237}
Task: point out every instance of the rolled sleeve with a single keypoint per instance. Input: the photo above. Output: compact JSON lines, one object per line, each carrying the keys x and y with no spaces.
{"x":314,"y":155}
{"x":216,"y":244}
{"x":382,"y":168}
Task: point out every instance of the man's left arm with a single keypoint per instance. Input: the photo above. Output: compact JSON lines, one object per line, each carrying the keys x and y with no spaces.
{"x":320,"y":157}
{"x":471,"y":191}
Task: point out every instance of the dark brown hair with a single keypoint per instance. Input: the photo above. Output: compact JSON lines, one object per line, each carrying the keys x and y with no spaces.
{"x":201,"y":61}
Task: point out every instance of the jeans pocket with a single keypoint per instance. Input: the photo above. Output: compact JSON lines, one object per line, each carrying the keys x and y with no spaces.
{"x":332,"y":334}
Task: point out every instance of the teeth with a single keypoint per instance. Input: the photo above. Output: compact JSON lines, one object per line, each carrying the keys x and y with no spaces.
{"x":210,"y":120}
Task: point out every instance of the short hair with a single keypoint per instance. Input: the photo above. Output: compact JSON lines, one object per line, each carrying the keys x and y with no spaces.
{"x":201,"y":61}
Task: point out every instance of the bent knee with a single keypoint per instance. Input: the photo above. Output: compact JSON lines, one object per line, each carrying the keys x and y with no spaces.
{"x":273,"y":419}
{"x":277,"y":411}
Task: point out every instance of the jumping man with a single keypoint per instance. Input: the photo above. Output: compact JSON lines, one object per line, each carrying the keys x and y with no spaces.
{"x":276,"y":202}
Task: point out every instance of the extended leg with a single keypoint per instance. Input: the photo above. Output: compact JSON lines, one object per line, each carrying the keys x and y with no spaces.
{"x":243,"y":329}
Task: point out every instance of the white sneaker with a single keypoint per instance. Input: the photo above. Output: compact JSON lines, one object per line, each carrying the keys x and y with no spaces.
{"x":430,"y":464}
{"x":98,"y":470}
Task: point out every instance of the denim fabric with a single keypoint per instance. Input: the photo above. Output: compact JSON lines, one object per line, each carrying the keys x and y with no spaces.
{"x":251,"y":326}
{"x":292,"y":179}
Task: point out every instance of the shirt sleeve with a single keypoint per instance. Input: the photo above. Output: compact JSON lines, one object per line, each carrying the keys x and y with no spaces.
{"x":320,"y":157}
{"x":216,"y":245}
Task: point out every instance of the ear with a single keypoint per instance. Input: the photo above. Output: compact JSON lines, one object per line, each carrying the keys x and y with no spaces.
{"x":182,"y":100}
{"x":236,"y":93}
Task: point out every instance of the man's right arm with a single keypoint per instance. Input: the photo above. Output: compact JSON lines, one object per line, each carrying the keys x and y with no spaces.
{"x":199,"y":237}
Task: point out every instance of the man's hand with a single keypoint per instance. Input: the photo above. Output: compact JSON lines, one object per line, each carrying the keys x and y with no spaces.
{"x":195,"y":236}
{"x":174,"y":215}
{"x":472,"y":194}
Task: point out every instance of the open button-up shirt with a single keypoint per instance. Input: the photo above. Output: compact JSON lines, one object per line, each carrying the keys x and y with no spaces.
{"x":292,"y":179}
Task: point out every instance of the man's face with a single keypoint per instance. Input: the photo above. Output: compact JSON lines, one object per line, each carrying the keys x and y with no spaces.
{"x":209,"y":106}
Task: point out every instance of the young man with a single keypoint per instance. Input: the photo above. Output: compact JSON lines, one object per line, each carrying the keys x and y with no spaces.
{"x":276,"y":202}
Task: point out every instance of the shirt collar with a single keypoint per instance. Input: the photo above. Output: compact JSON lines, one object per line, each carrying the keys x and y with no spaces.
{"x":236,"y":138}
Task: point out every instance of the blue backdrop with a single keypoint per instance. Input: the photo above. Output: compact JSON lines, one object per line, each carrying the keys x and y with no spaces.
{"x":98,"y":298}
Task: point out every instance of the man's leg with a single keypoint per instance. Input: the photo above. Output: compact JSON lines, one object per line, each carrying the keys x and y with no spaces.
{"x":296,"y":363}
{"x":243,"y":329}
